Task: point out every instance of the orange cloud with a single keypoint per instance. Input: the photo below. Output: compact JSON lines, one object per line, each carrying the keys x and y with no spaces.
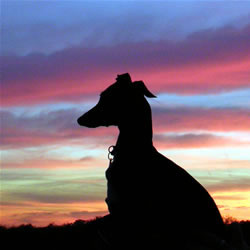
{"x":43,"y":214}
{"x":233,"y":203}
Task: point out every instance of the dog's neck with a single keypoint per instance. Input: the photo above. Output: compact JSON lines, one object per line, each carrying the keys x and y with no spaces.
{"x":136,"y":133}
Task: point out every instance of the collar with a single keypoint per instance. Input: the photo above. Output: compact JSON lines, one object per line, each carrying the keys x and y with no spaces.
{"x":112,"y":150}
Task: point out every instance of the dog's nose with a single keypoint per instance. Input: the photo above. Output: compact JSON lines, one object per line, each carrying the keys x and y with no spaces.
{"x":90,"y":119}
{"x":84,"y":120}
{"x":80,"y":121}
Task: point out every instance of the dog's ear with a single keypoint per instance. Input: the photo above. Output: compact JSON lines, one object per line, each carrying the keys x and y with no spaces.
{"x":124,"y":78}
{"x":142,"y":89}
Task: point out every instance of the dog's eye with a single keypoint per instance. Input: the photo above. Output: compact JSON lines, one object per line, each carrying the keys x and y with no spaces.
{"x":105,"y":101}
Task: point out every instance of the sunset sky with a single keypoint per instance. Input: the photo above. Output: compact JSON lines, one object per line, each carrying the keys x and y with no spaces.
{"x":57,"y":56}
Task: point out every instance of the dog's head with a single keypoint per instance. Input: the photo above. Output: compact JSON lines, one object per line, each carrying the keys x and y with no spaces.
{"x":116,"y":102}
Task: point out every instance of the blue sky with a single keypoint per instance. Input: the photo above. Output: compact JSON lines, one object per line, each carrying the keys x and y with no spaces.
{"x":49,"y":26}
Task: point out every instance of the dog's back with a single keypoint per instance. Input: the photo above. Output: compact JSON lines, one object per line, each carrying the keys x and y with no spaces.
{"x":186,"y":199}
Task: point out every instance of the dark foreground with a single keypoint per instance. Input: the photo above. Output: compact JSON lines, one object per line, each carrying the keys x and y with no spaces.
{"x":89,"y":235}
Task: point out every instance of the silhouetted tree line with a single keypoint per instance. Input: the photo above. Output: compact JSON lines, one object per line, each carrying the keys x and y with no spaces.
{"x":81,"y":233}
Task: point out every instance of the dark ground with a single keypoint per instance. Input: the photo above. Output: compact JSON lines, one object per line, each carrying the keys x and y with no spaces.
{"x":80,"y":234}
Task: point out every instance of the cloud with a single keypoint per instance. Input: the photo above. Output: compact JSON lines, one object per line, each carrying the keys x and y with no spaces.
{"x":48,"y":128}
{"x":193,"y":141}
{"x":209,"y":61}
{"x":84,"y":214}
{"x":60,"y":127}
{"x":57,"y":191}
{"x":195,"y":119}
{"x":239,"y":184}
{"x":243,"y":207}
{"x":57,"y":198}
{"x":41,"y":218}
{"x":86,"y":158}
{"x":16,"y":204}
{"x":37,"y":161}
{"x":227,"y":197}
{"x":64,"y":24}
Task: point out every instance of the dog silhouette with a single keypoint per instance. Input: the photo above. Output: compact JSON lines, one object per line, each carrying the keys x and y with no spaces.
{"x":142,"y":183}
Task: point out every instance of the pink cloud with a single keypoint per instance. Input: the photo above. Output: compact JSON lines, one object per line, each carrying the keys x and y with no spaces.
{"x":61,"y":128}
{"x":193,"y":119}
{"x":207,"y":61}
{"x":193,"y":141}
